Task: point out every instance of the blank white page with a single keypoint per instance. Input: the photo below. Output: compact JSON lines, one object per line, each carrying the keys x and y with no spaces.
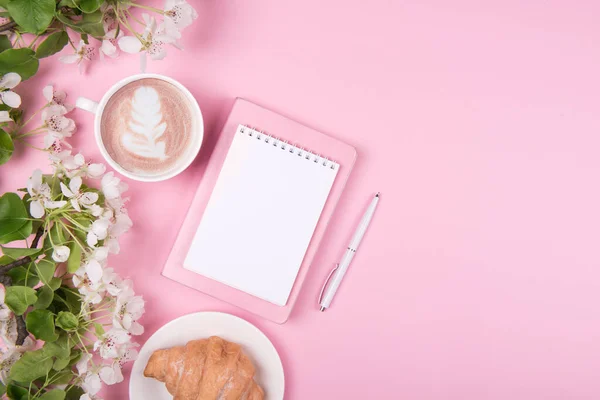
{"x":261,"y":216}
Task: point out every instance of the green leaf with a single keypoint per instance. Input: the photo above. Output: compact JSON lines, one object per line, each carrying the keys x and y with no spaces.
{"x":72,"y":300}
{"x":74,"y":261}
{"x":55,"y":283}
{"x":22,"y":276}
{"x":6,"y":145}
{"x":45,"y":270}
{"x":33,"y":16}
{"x":75,"y":393}
{"x":75,"y":357}
{"x":5,"y":43}
{"x":67,"y":321}
{"x":67,"y":3}
{"x":55,"y":394}
{"x":89,"y":6}
{"x":60,"y":348}
{"x":21,"y":61}
{"x":45,"y":296}
{"x":16,"y":253}
{"x":41,"y":324}
{"x":18,"y":298}
{"x":33,"y":365}
{"x":13,"y":214}
{"x":52,"y":45}
{"x":16,"y":392}
{"x":2,"y":389}
{"x":23,"y":233}
{"x":61,"y":363}
{"x":63,"y":377}
{"x":92,"y":24}
{"x":89,"y":23}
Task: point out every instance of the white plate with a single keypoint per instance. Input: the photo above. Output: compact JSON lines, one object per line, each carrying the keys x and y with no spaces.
{"x":269,"y":371}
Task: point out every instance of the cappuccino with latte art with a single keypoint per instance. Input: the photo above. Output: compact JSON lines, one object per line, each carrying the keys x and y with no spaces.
{"x":147,"y":127}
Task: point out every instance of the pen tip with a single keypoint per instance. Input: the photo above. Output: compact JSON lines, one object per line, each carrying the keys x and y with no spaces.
{"x":377,"y":195}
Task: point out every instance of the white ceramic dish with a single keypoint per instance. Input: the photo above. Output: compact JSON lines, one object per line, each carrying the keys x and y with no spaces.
{"x":269,"y":370}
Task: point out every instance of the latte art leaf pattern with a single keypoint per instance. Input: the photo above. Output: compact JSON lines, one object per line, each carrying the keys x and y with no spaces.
{"x":146,"y":126}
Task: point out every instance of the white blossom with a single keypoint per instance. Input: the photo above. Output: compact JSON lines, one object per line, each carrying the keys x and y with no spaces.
{"x":107,"y":346}
{"x":111,"y":374}
{"x":91,"y":290}
{"x":7,"y":96}
{"x":83,"y":53}
{"x":152,"y":42}
{"x":5,"y":117}
{"x":56,"y":97}
{"x":91,"y":382}
{"x":178,"y":15}
{"x":77,"y":197}
{"x":100,"y":254}
{"x":82,"y":365}
{"x":94,"y":170}
{"x":40,"y":196}
{"x":61,"y":253}
{"x":59,"y":126}
{"x":110,"y":41}
{"x":112,"y":282}
{"x":98,"y":231}
{"x":129,"y":309}
{"x":112,"y":187}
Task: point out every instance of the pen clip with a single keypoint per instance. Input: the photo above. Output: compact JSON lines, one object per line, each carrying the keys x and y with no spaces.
{"x":327,"y":281}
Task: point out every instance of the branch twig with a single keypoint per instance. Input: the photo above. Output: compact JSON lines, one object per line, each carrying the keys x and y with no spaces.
{"x":38,"y":236}
{"x":8,"y":26}
{"x":22,"y":332}
{"x":25,"y":260}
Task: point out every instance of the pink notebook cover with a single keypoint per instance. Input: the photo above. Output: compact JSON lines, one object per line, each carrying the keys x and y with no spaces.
{"x":250,"y":114}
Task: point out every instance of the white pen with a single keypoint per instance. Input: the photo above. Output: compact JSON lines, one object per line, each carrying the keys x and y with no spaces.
{"x":340,"y":269}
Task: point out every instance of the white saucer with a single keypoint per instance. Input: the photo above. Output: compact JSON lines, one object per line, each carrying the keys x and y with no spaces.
{"x":269,"y":370}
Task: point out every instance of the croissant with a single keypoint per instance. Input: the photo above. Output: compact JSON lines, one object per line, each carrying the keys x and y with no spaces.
{"x":205,"y":369}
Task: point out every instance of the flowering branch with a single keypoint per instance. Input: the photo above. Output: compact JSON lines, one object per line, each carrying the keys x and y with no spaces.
{"x":66,"y":297}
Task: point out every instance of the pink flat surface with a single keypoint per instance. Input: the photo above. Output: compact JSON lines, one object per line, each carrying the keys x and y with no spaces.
{"x":478,"y":121}
{"x":253,"y":115}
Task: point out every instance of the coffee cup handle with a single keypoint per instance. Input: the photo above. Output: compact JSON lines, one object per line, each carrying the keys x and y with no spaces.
{"x":87,"y":104}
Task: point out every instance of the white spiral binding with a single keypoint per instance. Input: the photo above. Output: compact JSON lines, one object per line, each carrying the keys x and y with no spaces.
{"x":289,"y":147}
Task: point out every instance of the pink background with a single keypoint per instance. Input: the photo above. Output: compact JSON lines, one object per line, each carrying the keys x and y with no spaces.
{"x":479,"y":125}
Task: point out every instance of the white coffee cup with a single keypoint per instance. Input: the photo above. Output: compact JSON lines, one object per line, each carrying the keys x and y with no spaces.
{"x":197,"y":127}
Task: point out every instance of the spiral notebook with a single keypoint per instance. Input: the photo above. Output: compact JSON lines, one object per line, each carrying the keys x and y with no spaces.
{"x":261,"y":215}
{"x":262,"y":207}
